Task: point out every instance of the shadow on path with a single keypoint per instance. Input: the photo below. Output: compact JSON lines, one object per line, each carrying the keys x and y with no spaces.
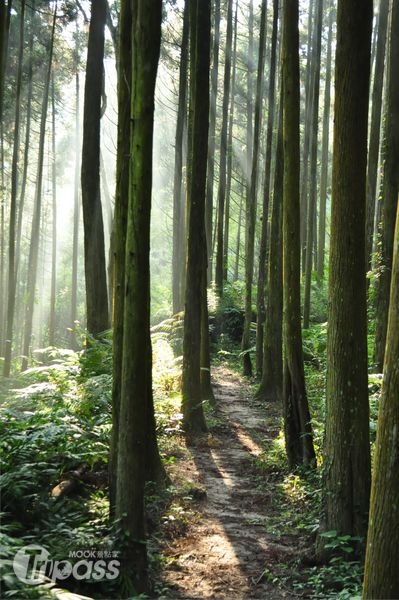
{"x":227,"y":553}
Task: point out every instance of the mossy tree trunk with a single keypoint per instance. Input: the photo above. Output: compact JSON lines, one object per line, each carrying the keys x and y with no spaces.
{"x":252,"y":197}
{"x":262,"y":271}
{"x":390,"y":188}
{"x":193,"y":416}
{"x":270,"y":388}
{"x":12,"y":263}
{"x":347,"y":447}
{"x":219,"y":269}
{"x":212,"y":137}
{"x":375,"y":126}
{"x":120,"y":225}
{"x":325,"y":146}
{"x":136,"y":367}
{"x":95,"y":270}
{"x":312,"y":188}
{"x":297,"y":426}
{"x":381,"y":578}
{"x":178,"y":266}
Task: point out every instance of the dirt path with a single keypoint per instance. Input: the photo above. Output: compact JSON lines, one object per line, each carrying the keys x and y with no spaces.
{"x":226,"y":552}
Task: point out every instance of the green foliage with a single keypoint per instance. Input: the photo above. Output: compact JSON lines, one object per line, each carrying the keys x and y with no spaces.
{"x":340,"y":577}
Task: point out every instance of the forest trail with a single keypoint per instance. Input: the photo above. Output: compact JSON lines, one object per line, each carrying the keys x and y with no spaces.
{"x":227,"y":551}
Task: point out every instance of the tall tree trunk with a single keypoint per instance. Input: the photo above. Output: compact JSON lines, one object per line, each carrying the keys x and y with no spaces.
{"x":5,"y":12}
{"x":51,"y":340}
{"x":13,"y":202}
{"x":347,"y":448}
{"x":260,"y":298}
{"x":297,"y":426}
{"x":76,"y":204}
{"x":135,"y":367}
{"x":306,"y":137}
{"x":381,"y":577}
{"x":178,"y":195}
{"x":229,"y":175}
{"x":95,"y":269}
{"x":390,"y":189}
{"x":35,"y":233}
{"x":219,"y":270}
{"x":312,"y":197}
{"x":270,"y":388}
{"x":212,"y":142}
{"x":251,"y":207}
{"x":375,"y":127}
{"x":193,"y":417}
{"x":325,"y":152}
{"x":3,"y":288}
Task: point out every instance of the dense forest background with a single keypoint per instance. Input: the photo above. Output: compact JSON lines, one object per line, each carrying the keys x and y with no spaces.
{"x":198,"y":201}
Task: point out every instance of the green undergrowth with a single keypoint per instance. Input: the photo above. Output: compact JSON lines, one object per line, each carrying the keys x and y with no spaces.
{"x":55,"y":423}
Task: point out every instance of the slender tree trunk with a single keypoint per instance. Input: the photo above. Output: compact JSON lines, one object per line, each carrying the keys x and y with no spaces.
{"x":312,"y":198}
{"x":325,"y":153}
{"x":306,"y":137}
{"x":260,"y":298}
{"x":390,"y":189}
{"x":76,"y":204}
{"x":178,"y":196}
{"x":381,"y":577}
{"x":5,"y":12}
{"x":206,"y":386}
{"x":54,"y":223}
{"x":3,"y":287}
{"x":297,"y":426}
{"x":95,"y":269}
{"x":237,"y":261}
{"x":35,"y":233}
{"x":135,"y":367}
{"x":212,"y":141}
{"x":13,"y":202}
{"x":375,"y":127}
{"x":230,"y":154}
{"x":24,"y":179}
{"x":193,"y":417}
{"x":347,"y":447}
{"x":219,"y":270}
{"x":251,"y":209}
{"x":271,"y":384}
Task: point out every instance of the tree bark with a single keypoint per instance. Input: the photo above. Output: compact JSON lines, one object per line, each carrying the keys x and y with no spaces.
{"x":375,"y":127}
{"x":347,"y":449}
{"x":211,"y":144}
{"x":325,"y":153}
{"x":251,"y":205}
{"x":13,"y":202}
{"x":312,"y":198}
{"x":270,"y":388}
{"x":35,"y":232}
{"x":193,"y":417}
{"x":95,"y":269}
{"x":260,"y":298}
{"x":76,"y":204}
{"x":178,"y":265}
{"x":136,"y":377}
{"x":219,"y":269}
{"x":297,"y":426}
{"x":52,"y":321}
{"x":381,"y":577}
{"x":390,"y":189}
